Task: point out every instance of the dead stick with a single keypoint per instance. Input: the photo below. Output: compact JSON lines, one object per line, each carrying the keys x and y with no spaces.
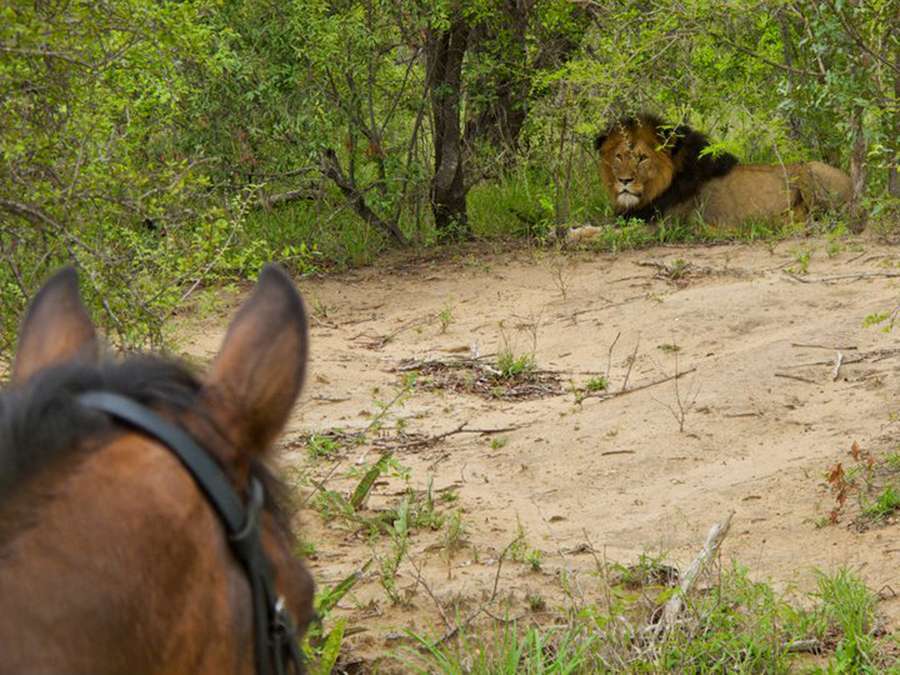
{"x":610,"y":353}
{"x":420,"y":579}
{"x":838,"y":360}
{"x":826,"y":362}
{"x":795,"y":377}
{"x":617,"y":452}
{"x":461,"y":429}
{"x":606,"y":397}
{"x":811,"y":646}
{"x":631,"y":361}
{"x":465,"y":622}
{"x":855,"y":276}
{"x":828,"y":347}
{"x":674,"y":606}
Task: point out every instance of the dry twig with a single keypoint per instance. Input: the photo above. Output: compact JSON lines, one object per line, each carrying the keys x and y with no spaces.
{"x":674,"y":606}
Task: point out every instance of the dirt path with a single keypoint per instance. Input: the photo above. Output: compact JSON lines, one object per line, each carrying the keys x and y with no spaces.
{"x":614,"y":473}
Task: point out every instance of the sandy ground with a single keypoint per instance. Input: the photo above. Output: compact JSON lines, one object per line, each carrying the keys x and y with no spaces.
{"x":615,"y":474}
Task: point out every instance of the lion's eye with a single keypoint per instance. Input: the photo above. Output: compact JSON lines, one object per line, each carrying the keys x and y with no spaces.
{"x":642,"y":158}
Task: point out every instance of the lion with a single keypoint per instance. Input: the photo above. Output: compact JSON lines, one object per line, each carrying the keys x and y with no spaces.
{"x":653,"y":170}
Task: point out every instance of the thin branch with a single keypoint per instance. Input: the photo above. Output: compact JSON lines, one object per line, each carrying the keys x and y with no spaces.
{"x":605,"y":396}
{"x":674,"y":606}
{"x":631,"y":360}
{"x":331,"y":168}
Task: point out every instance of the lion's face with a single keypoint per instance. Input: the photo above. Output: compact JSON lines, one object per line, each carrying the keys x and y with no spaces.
{"x":634,"y":167}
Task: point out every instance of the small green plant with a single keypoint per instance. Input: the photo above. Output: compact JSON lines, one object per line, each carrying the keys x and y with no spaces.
{"x":518,"y":548}
{"x":560,"y":278}
{"x":884,"y":319}
{"x":669,"y":348}
{"x":892,"y":461}
{"x":390,"y":564}
{"x":678,"y":268}
{"x":598,"y":383}
{"x":536,"y":602}
{"x":498,"y":442}
{"x":884,"y":505}
{"x":512,"y":366}
{"x":850,"y":607}
{"x":454,"y":532}
{"x":304,"y":548}
{"x":834,"y":248}
{"x":534,"y":559}
{"x":802,"y":257}
{"x":445,"y":317}
{"x":320,"y":447}
{"x":322,"y":648}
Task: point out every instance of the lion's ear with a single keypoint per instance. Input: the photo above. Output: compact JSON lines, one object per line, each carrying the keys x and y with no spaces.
{"x":600,"y":140}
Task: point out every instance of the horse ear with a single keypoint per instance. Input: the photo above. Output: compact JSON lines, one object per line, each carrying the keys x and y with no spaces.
{"x":57,"y":328}
{"x":259,"y":371}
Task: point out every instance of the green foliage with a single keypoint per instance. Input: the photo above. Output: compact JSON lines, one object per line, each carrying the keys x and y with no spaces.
{"x":511,"y":366}
{"x":91,"y":172}
{"x":886,"y":503}
{"x":850,"y":606}
{"x":736,"y":626}
{"x":192,"y":142}
{"x":321,"y":446}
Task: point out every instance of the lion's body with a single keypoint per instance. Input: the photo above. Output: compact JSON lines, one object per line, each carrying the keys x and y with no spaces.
{"x":651,"y":170}
{"x":767,"y":193}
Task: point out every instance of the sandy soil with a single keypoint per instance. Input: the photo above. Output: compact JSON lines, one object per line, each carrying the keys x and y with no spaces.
{"x":615,"y":474}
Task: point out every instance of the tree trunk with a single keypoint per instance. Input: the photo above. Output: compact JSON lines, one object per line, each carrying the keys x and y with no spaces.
{"x":445,"y":50}
{"x":858,"y":171}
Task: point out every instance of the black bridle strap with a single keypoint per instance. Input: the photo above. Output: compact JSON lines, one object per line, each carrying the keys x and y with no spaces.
{"x":208,"y":475}
{"x":274,"y":634}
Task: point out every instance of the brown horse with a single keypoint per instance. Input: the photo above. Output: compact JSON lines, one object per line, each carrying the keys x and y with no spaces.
{"x":112,"y":558}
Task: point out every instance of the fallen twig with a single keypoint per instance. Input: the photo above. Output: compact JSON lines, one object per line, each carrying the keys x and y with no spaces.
{"x":853,"y":276}
{"x":796,"y":377}
{"x":631,"y":360}
{"x":461,"y":429}
{"x":378,"y":342}
{"x":474,"y":615}
{"x":320,"y":485}
{"x":610,"y":353}
{"x":674,"y":606}
{"x":811,"y":646}
{"x":603,"y":396}
{"x":828,"y":347}
{"x":838,"y":361}
{"x":616,"y":452}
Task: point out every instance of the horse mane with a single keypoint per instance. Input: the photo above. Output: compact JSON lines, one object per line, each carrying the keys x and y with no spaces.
{"x":42,"y":424}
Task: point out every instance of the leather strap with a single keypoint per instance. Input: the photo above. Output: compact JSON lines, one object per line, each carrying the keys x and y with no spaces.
{"x":274,"y":632}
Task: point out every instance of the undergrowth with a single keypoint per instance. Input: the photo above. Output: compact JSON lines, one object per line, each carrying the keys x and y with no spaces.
{"x":732,"y":625}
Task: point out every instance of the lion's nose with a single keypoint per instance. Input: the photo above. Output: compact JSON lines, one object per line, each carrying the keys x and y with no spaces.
{"x":626,"y":181}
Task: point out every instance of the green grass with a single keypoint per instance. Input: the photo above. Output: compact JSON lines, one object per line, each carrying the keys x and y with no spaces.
{"x":850,"y":607}
{"x":599,"y":383}
{"x":511,"y":366}
{"x":307,"y":236}
{"x":737,"y":625}
{"x":884,"y":505}
{"x":521,"y":203}
{"x":301,"y":236}
{"x":321,"y":446}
